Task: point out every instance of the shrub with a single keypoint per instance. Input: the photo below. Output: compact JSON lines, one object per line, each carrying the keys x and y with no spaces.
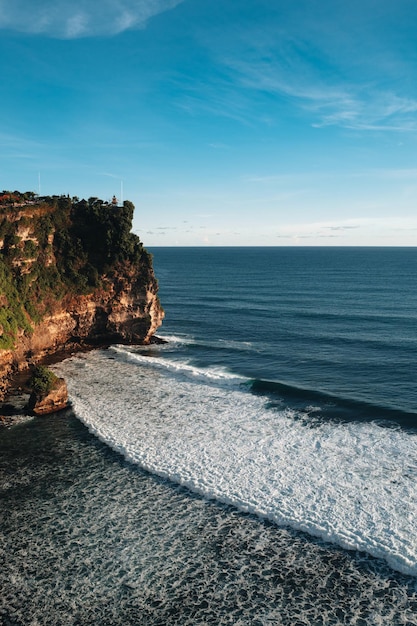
{"x":43,"y":379}
{"x":30,"y":249}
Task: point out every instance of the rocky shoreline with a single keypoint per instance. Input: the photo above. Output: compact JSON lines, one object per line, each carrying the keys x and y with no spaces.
{"x":16,"y":403}
{"x":15,"y":406}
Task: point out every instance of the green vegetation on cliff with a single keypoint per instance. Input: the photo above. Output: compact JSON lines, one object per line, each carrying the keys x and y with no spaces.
{"x":55,"y":247}
{"x":43,"y":379}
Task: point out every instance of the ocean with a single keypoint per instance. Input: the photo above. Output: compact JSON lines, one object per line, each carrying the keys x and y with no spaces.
{"x":259,"y":468}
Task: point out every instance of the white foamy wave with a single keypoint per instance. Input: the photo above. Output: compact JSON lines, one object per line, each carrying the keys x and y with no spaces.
{"x":238,"y":345}
{"x":351,"y":484}
{"x":187,"y":340}
{"x":175,"y":339}
{"x":217,"y":374}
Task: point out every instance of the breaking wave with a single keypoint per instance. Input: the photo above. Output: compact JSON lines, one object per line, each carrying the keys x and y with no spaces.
{"x":349,"y":483}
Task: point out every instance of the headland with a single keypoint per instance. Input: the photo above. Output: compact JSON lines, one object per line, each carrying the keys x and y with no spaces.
{"x":72,"y":276}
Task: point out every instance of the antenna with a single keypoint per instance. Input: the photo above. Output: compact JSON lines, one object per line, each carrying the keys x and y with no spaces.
{"x":121,"y":193}
{"x":39,"y":183}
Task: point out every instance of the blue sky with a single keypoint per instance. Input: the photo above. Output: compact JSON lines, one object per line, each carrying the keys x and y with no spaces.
{"x":226,"y":122}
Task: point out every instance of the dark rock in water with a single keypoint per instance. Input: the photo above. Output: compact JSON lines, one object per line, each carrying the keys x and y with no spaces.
{"x":54,"y":400}
{"x":157,"y":340}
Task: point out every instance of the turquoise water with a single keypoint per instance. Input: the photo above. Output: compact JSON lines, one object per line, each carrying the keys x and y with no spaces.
{"x":260,"y":468}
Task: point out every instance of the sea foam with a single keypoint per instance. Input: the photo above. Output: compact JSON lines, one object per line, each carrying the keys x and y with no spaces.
{"x":351,"y":484}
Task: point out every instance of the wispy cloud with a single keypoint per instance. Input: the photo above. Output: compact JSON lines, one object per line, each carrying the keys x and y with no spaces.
{"x":373,"y":110}
{"x":110,"y":175}
{"x":401,"y":174}
{"x":355,"y":105}
{"x":327,"y":60}
{"x":80,"y":18}
{"x":348,"y":229}
{"x":14,"y":146}
{"x":219,"y":146}
{"x":318,"y":230}
{"x":309,"y":178}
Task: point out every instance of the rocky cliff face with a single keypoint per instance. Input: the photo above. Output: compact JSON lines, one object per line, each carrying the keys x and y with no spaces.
{"x":65,"y":289}
{"x":123,"y":313}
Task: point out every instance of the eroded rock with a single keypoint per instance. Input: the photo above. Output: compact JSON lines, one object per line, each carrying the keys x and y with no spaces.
{"x":54,"y":400}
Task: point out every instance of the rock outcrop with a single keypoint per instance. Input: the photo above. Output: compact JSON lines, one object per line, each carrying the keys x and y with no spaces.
{"x":122,"y":313}
{"x":50,"y":402}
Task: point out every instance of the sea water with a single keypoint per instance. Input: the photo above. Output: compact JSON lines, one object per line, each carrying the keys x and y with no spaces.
{"x":259,"y":468}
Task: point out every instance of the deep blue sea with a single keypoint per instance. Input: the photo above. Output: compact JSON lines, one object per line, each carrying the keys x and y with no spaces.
{"x":259,"y":468}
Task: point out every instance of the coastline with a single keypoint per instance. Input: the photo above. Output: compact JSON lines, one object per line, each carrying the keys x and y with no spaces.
{"x":13,"y":407}
{"x":14,"y":404}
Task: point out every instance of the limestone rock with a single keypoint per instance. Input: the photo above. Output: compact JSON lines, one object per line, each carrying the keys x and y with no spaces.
{"x":54,"y":400}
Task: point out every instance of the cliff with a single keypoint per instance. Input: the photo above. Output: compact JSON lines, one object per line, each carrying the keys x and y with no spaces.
{"x":71,"y":274}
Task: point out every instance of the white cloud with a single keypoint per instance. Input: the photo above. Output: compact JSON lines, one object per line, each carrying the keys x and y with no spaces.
{"x":356,"y":106}
{"x":77,"y":26}
{"x":349,"y":228}
{"x":329,"y":61}
{"x":80,"y":18}
{"x":373,"y":110}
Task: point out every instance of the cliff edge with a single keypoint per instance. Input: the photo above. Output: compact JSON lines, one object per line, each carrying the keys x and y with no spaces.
{"x":71,"y":274}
